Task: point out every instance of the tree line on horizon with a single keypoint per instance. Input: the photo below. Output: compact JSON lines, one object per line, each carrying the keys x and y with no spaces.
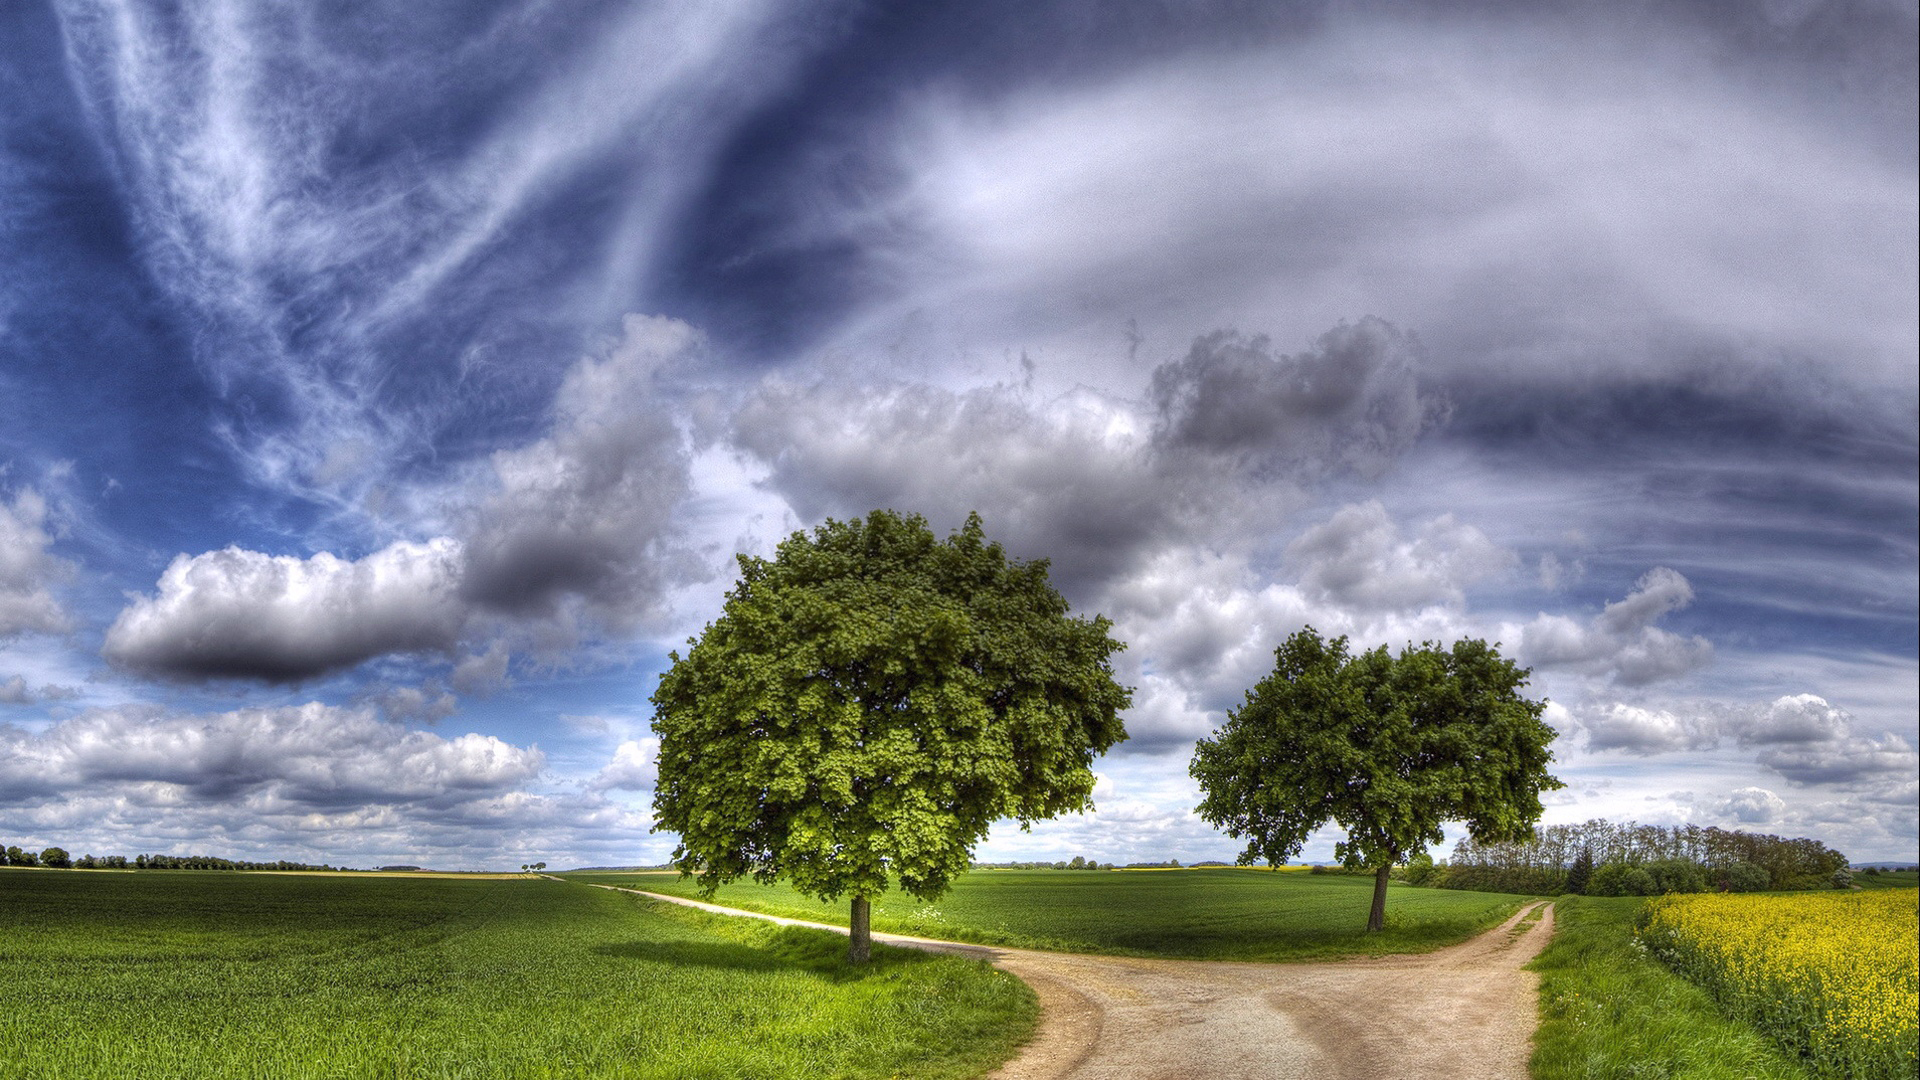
{"x":1604,"y":858}
{"x":59,"y":859}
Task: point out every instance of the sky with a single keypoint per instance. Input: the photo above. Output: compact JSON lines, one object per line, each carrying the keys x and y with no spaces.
{"x":386,"y":389}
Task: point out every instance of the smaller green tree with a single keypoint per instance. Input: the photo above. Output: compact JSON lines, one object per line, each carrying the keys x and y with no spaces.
{"x":1387,"y":747}
{"x":54,"y":856}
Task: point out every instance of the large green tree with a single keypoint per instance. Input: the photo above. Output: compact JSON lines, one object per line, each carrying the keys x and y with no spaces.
{"x":869,"y":702}
{"x":1386,"y":746}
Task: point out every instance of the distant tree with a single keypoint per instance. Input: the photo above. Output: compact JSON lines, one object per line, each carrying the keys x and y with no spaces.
{"x":1388,"y":747}
{"x":54,"y":856}
{"x":539,"y":866}
{"x":869,"y":702}
{"x":1580,"y":874}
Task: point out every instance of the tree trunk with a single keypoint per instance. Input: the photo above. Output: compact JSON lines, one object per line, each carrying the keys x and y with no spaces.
{"x":860,"y":933}
{"x":1377,"y":918}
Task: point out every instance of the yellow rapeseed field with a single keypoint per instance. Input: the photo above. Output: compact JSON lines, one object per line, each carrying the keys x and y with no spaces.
{"x":1835,"y":976}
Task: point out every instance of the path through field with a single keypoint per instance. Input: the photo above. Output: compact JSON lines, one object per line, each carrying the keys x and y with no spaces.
{"x":1464,"y":1011}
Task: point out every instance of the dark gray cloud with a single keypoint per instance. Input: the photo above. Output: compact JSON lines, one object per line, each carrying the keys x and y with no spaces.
{"x":586,"y":514}
{"x":14,"y":690}
{"x":1350,"y":402}
{"x":1095,"y":482}
{"x":1063,"y":480}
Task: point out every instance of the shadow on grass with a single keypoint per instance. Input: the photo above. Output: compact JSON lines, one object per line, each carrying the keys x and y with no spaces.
{"x":816,"y":952}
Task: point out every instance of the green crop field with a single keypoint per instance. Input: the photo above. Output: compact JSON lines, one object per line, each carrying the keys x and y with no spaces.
{"x":176,"y":974}
{"x":1210,"y":913}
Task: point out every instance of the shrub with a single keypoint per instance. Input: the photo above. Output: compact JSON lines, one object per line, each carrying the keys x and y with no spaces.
{"x":1677,"y":876}
{"x":1743,"y":876}
{"x":1842,"y":880}
{"x":1419,"y":869}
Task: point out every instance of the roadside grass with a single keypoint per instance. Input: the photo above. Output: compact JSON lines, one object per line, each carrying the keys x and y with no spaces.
{"x":1610,"y":1010}
{"x":1206,"y":914}
{"x":177,"y":974}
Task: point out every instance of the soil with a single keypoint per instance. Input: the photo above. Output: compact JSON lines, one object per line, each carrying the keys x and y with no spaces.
{"x":1464,"y":1011}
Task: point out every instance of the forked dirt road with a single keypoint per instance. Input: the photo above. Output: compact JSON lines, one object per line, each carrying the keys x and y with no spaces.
{"x":1463,"y":1012}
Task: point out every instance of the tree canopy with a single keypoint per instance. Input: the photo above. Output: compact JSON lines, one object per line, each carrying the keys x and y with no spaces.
{"x":869,"y":702}
{"x":1387,"y":747}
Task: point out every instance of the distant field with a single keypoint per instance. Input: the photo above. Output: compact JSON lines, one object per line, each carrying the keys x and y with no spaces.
{"x":1213,"y":914}
{"x":192,"y":975}
{"x":1898,"y":879}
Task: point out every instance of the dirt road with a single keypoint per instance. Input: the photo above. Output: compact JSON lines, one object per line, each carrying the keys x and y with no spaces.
{"x":1467,"y":1011}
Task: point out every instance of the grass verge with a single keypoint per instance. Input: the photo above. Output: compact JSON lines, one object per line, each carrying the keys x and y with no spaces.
{"x":174,"y":975}
{"x":1609,"y":1010}
{"x":1206,"y":914}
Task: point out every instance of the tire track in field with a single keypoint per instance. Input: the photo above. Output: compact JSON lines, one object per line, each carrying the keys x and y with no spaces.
{"x":1468,"y":1010}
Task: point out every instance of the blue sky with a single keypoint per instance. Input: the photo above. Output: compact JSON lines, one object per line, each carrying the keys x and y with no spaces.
{"x":383,"y":391}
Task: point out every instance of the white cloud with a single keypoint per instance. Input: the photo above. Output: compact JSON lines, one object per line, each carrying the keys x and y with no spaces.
{"x":1754,"y":806}
{"x":1641,"y":730}
{"x":312,"y":782}
{"x":1518,"y":199}
{"x":243,"y":614}
{"x":314,"y":756}
{"x":1799,"y":737}
{"x":1848,"y":761}
{"x":1621,"y":642}
{"x":633,"y":767}
{"x":1358,"y":560}
{"x":28,"y":570}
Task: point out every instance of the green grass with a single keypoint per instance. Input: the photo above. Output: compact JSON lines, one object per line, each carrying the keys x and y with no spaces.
{"x":1899,"y":879}
{"x":1610,"y":1011}
{"x":175,"y":974}
{"x":1210,"y":914}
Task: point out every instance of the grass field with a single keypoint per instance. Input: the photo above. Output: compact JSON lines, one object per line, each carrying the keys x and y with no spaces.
{"x":178,"y":974}
{"x":1212,"y":914}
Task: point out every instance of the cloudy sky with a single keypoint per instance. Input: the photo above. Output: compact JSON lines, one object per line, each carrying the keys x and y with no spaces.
{"x":384,"y":389}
